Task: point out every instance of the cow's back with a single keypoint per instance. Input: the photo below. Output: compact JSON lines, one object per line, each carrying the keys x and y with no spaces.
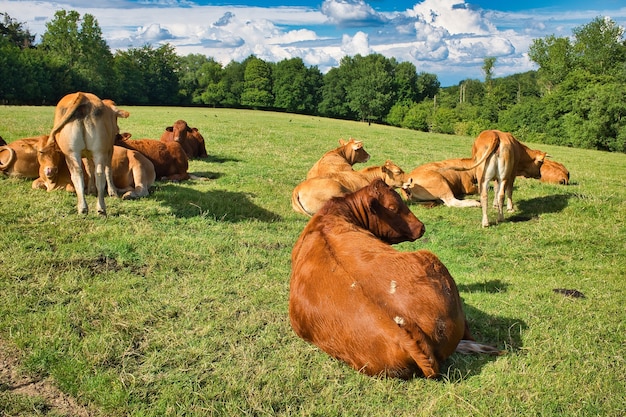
{"x":19,"y":158}
{"x":349,"y":289}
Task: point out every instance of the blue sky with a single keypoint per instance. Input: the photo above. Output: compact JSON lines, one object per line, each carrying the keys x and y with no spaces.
{"x":449,"y":38}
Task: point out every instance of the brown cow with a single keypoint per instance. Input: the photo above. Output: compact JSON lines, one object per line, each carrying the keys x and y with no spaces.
{"x":434,"y":182}
{"x":189,"y":138}
{"x":310,"y":195}
{"x":554,"y":172}
{"x":85,"y":126}
{"x":382,"y":311}
{"x":19,"y":158}
{"x":339,"y":159}
{"x":169,"y":159}
{"x":133,"y":173}
{"x":499,"y":156}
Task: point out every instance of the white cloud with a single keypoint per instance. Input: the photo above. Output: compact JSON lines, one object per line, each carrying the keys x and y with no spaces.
{"x":351,"y":13}
{"x":444,"y":37}
{"x":356,"y":45}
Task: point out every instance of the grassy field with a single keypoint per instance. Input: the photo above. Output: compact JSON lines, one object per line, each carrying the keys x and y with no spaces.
{"x":176,"y":304}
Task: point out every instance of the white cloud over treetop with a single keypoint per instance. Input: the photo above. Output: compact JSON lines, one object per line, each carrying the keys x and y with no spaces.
{"x":446,"y":37}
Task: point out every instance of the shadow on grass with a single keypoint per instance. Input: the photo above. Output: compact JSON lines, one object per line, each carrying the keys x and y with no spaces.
{"x":218,"y":159}
{"x":220,"y":205}
{"x":505,"y":333}
{"x":494,"y":286}
{"x":531,"y":209}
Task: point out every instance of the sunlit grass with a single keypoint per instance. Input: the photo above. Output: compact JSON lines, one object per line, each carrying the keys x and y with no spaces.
{"x":176,"y":304}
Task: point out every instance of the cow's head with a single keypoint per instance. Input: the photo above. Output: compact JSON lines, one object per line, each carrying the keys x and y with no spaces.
{"x":180,"y":130}
{"x":120,"y":138}
{"x":393,"y":174}
{"x":385,"y":214}
{"x":49,"y":157}
{"x":353,"y":151}
{"x":554,"y":172}
{"x":532,"y":169}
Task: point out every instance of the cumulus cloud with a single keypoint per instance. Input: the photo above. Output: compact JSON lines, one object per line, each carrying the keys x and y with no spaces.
{"x":351,"y":13}
{"x":356,"y":45}
{"x":449,"y":38}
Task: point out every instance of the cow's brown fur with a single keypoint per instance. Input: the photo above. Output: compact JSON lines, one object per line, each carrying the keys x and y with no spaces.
{"x":85,"y":126}
{"x":339,"y":159}
{"x":433,"y":182}
{"x":311,"y":194}
{"x":554,"y":172}
{"x":499,"y":156}
{"x":169,"y":159}
{"x":189,"y":138}
{"x":19,"y":158}
{"x":133,"y":173}
{"x":382,"y":311}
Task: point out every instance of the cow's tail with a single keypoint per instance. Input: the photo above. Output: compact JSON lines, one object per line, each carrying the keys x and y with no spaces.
{"x":492,"y":148}
{"x":5,"y":165}
{"x":468,"y":347}
{"x":66,"y":117}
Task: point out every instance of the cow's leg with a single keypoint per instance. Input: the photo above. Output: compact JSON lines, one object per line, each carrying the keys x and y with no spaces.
{"x":509,"y":197}
{"x":74,"y":164}
{"x":484,"y":201}
{"x":101,"y":186}
{"x":502,"y":185}
{"x":108,"y":174}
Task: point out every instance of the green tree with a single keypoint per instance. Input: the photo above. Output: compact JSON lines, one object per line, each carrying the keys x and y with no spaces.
{"x":257,"y":91}
{"x":370,"y":91}
{"x":292,"y":87}
{"x":599,"y":46}
{"x":334,"y":102}
{"x":82,"y":51}
{"x":148,"y":75}
{"x":233,"y":81}
{"x":406,"y":83}
{"x":555,"y":58}
{"x":15,"y":32}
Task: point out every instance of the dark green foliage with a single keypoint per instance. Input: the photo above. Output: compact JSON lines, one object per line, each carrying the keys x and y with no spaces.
{"x":575,"y":98}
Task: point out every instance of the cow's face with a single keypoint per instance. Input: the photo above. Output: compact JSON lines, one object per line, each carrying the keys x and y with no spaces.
{"x":180,"y":130}
{"x":390,"y":219}
{"x":49,"y":158}
{"x":354,"y":151}
{"x":393,"y":174}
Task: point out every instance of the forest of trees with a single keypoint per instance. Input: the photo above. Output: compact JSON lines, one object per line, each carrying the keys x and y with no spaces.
{"x":576,"y":98}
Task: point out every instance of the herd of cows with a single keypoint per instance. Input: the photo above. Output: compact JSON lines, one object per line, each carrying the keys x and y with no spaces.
{"x":383,"y":312}
{"x":85,"y":152}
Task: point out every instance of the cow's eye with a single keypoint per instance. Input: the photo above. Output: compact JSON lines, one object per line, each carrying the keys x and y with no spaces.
{"x":392,"y":208}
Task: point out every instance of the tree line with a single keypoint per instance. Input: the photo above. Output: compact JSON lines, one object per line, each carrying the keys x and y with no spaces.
{"x":576,"y":97}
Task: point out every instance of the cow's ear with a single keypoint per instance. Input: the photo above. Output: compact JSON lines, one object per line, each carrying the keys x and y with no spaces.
{"x":342,"y":142}
{"x":169,"y":128}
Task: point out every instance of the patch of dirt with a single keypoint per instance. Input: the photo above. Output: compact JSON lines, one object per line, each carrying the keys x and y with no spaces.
{"x":16,"y":382}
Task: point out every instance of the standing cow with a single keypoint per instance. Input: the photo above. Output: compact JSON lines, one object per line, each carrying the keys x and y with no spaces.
{"x":382,"y":311}
{"x":499,"y":156}
{"x":85,"y":126}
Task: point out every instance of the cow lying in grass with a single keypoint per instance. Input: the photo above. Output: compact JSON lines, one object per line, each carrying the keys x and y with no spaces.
{"x":188,"y":137}
{"x":19,"y":158}
{"x":382,"y":311}
{"x":339,"y":159}
{"x":311,"y":194}
{"x":133,"y":174}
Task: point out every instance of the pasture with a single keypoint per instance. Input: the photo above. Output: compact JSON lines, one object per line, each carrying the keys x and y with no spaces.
{"x":176,"y":304}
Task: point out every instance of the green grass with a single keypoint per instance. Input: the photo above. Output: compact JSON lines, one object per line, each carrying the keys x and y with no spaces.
{"x":176,"y":304}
